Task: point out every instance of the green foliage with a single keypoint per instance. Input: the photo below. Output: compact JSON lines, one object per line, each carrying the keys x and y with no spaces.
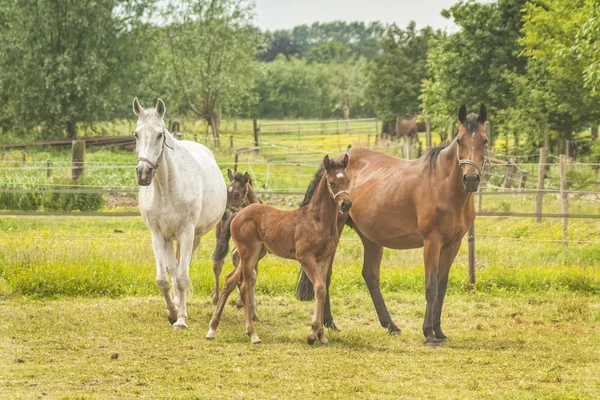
{"x":471,"y":66}
{"x":72,"y":201}
{"x":395,"y":76}
{"x":65,"y":62}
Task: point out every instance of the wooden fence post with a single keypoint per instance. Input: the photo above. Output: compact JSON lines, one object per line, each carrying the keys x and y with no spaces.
{"x":255,"y":125}
{"x":511,"y":170}
{"x":523,"y":180}
{"x":564,"y":198}
{"x":48,"y":169}
{"x":77,"y":158}
{"x":235,"y":163}
{"x":24,"y":157}
{"x":539,"y":197}
{"x":408,"y":143}
{"x":349,"y":147}
{"x":397,"y":128}
{"x":230,"y":143}
{"x":428,"y":133}
{"x":471,"y":238}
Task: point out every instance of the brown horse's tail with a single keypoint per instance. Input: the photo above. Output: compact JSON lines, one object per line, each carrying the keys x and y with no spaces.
{"x":223,"y":241}
{"x":304,"y":287}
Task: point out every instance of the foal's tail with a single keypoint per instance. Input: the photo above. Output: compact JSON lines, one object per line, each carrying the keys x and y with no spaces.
{"x":304,"y":287}
{"x":223,"y":241}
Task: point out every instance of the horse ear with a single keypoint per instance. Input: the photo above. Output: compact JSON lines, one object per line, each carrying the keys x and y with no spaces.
{"x":482,"y":114}
{"x":247,"y":178}
{"x":326,"y":162}
{"x":345,"y":161}
{"x":160,"y":108}
{"x":229,"y":174}
{"x":137,"y":107}
{"x":462,"y":114}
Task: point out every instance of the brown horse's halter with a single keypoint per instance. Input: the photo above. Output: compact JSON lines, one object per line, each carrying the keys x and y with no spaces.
{"x":160,"y":156}
{"x":473,"y":163}
{"x":338,"y":193}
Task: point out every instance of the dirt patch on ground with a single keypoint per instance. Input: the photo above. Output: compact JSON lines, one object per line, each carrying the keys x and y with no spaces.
{"x":119,"y":200}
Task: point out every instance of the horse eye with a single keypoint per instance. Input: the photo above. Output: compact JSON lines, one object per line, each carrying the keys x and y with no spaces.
{"x":135,"y":134}
{"x":458,"y":141}
{"x":485,"y":142}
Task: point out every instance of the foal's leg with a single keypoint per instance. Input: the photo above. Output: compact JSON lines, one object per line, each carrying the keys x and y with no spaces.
{"x":232,"y":280}
{"x":327,"y":317}
{"x":249,"y":259}
{"x":447,"y":256}
{"x":187,"y":242}
{"x":263,"y":253}
{"x":370,"y":272}
{"x":431,"y":255}
{"x":161,"y":248}
{"x":316,"y":274}
{"x":217,"y":265}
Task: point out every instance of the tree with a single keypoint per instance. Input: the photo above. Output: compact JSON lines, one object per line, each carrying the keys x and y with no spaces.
{"x":472,"y":66}
{"x":395,"y":76}
{"x":65,"y":63}
{"x":279,"y":42}
{"x":214,"y":56}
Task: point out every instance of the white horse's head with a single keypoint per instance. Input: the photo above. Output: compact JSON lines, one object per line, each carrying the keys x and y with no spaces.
{"x":150,"y":136}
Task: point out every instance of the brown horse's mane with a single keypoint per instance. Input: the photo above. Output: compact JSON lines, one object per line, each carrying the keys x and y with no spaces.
{"x":312,"y":186}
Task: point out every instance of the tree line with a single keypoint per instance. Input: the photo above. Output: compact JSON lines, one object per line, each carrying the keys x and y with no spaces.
{"x":65,"y":65}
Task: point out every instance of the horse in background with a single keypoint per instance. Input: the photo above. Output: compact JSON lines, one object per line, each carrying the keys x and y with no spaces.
{"x":406,"y":204}
{"x":308,"y":234}
{"x":182,"y":197}
{"x":239,"y":195}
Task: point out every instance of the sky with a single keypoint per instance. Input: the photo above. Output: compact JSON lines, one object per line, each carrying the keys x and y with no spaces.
{"x":285,"y":14}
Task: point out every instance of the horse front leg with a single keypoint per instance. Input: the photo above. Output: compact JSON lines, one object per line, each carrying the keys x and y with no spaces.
{"x":431,"y":256}
{"x":317,"y":275}
{"x":187,"y":242}
{"x":447,"y":256}
{"x":161,"y":247}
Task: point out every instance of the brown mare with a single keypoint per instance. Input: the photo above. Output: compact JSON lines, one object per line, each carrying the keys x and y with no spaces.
{"x":239,"y":195}
{"x":403,"y":204}
{"x":308,"y":234}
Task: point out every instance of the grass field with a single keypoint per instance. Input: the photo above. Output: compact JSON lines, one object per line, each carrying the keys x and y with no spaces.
{"x":81,"y":317}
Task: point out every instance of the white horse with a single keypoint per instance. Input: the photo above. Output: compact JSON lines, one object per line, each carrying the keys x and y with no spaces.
{"x":182,"y":197}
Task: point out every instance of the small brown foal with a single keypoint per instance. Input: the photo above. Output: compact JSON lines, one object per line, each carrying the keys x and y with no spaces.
{"x":308,"y":234}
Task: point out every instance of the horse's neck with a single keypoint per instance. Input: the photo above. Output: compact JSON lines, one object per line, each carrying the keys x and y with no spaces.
{"x":165,"y":177}
{"x":252,"y":197}
{"x":323,"y":204}
{"x":448,"y":169}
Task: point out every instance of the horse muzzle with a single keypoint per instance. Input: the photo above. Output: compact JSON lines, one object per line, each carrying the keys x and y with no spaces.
{"x":144,"y":175}
{"x":345,"y":206}
{"x":471,"y":182}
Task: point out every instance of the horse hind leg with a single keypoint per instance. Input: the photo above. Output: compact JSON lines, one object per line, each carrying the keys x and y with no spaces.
{"x":317,"y":278}
{"x":232,"y":280}
{"x":253,"y":277}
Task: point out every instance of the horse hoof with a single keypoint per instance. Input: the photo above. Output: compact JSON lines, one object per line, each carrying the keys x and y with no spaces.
{"x":180,"y":325}
{"x":324,"y":340}
{"x":255,"y":339}
{"x":310,"y":340}
{"x":239,"y":303}
{"x":394,"y":331}
{"x":331,"y":325}
{"x":442,"y":339}
{"x":211,"y":335}
{"x":255,"y":318}
{"x":433,"y":343}
{"x":172,"y":320}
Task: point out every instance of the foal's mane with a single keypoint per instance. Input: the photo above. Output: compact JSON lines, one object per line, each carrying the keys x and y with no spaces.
{"x":312,"y":186}
{"x":239,"y":177}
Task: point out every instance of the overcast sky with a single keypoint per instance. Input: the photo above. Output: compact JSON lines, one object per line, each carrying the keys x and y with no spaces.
{"x":284,"y":14}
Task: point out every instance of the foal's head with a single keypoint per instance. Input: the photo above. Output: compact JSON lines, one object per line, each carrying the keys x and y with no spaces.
{"x":337,"y":182}
{"x":237,"y":191}
{"x":150,"y":139}
{"x":472,"y":146}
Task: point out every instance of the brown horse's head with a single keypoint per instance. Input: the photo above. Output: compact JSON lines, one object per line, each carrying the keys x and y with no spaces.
{"x":472,"y":146}
{"x":337,"y":182}
{"x":238,"y":188}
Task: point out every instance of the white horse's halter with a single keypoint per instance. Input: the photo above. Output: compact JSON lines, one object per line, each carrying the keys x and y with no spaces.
{"x":473,"y":163}
{"x":160,"y":156}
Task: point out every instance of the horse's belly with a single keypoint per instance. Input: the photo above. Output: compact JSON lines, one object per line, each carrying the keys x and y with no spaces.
{"x":402,"y":242}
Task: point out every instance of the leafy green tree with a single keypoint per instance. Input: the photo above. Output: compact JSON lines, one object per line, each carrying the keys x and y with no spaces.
{"x":279,"y":42}
{"x":65,"y":63}
{"x":473,"y":65}
{"x":214,"y":56}
{"x":396,"y":75}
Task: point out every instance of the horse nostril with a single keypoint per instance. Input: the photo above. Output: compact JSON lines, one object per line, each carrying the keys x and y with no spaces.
{"x":477,"y":178}
{"x":464,"y":179}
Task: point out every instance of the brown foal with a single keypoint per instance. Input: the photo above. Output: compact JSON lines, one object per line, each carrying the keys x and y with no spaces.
{"x":404,"y":204}
{"x":308,"y":234}
{"x":239,"y":195}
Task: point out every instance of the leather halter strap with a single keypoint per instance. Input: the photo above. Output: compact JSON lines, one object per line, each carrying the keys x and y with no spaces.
{"x":155,"y":165}
{"x":473,"y":163}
